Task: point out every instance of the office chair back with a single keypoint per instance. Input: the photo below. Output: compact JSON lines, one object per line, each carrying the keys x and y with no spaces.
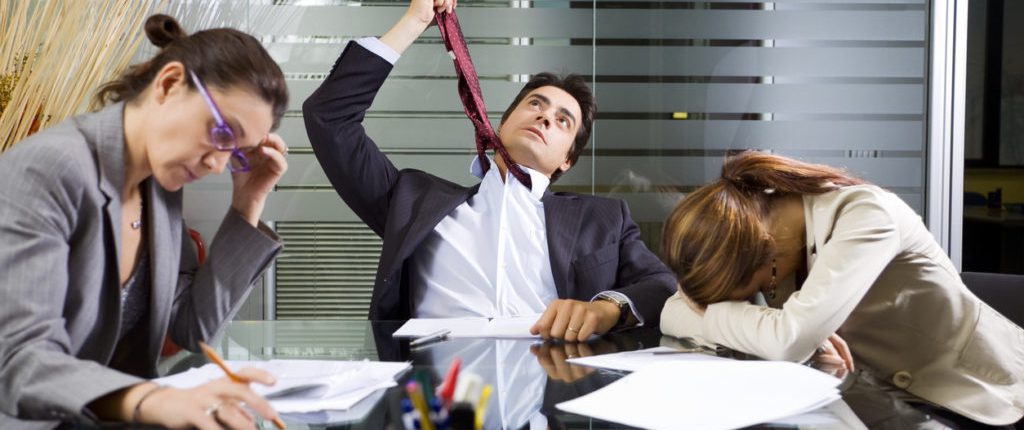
{"x":1003,"y":292}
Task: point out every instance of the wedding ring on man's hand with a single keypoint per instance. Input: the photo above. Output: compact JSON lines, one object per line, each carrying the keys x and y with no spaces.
{"x":574,"y":330}
{"x":212,"y":410}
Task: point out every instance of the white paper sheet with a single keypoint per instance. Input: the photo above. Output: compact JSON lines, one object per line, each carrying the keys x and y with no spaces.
{"x":631,"y":361}
{"x":517,"y":327}
{"x":708,"y":394}
{"x":333,"y":417}
{"x":305,"y":385}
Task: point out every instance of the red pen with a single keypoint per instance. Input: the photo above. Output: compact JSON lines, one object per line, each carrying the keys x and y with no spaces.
{"x":447,"y":388}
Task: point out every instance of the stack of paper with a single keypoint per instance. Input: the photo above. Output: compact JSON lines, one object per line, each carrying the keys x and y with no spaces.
{"x":631,"y":361}
{"x":515,"y":327}
{"x":305,"y":385}
{"x":708,"y":394}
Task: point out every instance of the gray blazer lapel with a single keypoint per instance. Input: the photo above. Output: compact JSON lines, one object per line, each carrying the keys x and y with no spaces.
{"x":104,"y":134}
{"x":562,"y":222}
{"x":164,"y":236}
{"x":104,"y":131}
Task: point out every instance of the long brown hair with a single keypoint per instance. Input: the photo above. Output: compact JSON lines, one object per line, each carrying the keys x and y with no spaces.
{"x":222,"y":57}
{"x":718,"y":236}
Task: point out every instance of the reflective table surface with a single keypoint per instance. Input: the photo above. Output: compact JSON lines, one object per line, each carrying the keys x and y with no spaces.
{"x":529,"y":376}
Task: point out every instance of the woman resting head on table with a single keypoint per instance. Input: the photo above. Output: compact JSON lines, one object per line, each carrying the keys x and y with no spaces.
{"x":96,"y":266}
{"x":864,"y":266}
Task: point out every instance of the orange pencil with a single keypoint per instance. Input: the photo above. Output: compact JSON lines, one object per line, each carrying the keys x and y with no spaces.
{"x":212,"y":355}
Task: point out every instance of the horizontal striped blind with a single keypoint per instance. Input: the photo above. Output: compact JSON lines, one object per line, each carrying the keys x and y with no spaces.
{"x":326,"y":270}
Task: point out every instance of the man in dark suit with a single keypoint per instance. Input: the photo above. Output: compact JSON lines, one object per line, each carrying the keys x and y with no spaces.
{"x":498,"y":248}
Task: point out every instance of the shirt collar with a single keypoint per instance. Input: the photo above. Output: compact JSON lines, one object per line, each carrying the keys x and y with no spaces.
{"x":540,"y":181}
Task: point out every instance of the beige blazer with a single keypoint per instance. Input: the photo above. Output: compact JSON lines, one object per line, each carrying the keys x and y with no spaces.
{"x":60,"y":310}
{"x":879,"y":279}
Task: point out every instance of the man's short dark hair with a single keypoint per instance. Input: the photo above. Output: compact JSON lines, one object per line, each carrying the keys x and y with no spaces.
{"x":577,"y":87}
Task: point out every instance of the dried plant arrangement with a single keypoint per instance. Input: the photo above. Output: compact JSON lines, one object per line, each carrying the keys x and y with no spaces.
{"x":55,"y":53}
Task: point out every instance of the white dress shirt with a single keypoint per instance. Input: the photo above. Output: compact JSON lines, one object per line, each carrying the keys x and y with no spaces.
{"x":489,"y":257}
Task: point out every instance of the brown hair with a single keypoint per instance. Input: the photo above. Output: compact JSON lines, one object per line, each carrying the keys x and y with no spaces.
{"x":577,"y":87}
{"x":718,"y":236}
{"x":222,"y":57}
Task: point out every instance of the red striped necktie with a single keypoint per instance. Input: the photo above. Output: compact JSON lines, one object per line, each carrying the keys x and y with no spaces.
{"x":472,"y":98}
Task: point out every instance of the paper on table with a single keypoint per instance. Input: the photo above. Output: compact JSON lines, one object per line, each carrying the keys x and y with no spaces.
{"x":417,"y":327}
{"x":305,"y":385}
{"x":631,"y":361}
{"x":708,"y":394}
{"x":514,"y":327}
{"x":334,"y":417}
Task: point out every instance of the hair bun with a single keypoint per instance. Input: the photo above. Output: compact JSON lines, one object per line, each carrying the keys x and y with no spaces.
{"x":162,"y":30}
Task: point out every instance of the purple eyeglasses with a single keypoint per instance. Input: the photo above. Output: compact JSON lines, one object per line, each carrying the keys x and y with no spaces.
{"x":221,"y":135}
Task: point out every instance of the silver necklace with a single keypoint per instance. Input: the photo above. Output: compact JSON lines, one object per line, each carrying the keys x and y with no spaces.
{"x":137,"y":224}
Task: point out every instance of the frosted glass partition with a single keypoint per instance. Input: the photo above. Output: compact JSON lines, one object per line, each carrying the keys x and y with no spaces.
{"x":679,"y":84}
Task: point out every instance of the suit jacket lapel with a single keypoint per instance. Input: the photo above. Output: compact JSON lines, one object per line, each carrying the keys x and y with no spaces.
{"x":108,"y":139}
{"x":437,"y":203}
{"x":432,"y":205}
{"x":104,"y":132}
{"x":562,"y":222}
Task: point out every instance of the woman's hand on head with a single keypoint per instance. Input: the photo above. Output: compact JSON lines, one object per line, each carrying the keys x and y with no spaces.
{"x":251,"y":188}
{"x":215,"y":405}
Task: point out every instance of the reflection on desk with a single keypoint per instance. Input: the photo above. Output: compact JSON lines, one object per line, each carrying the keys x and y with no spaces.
{"x":530,"y":377}
{"x":999,"y":216}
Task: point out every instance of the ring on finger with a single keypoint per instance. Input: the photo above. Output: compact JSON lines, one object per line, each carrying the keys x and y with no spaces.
{"x":574,"y":330}
{"x":212,"y":410}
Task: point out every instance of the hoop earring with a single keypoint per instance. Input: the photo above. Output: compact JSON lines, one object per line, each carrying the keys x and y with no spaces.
{"x":772,"y":284}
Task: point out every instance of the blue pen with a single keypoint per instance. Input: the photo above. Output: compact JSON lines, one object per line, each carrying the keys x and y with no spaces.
{"x":438,"y":414}
{"x":408,"y":415}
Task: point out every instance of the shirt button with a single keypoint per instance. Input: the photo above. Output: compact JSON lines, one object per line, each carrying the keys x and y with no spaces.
{"x":902,"y":379}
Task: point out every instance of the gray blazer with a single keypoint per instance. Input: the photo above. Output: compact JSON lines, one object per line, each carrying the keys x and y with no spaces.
{"x":59,"y":281}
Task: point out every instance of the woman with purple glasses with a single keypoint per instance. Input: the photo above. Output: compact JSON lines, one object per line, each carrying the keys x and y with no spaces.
{"x":95,"y":263}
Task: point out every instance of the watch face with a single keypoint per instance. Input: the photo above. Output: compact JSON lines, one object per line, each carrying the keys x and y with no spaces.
{"x":620,"y":303}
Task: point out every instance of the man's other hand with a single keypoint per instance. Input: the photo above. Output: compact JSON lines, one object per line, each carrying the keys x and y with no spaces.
{"x":574,"y":320}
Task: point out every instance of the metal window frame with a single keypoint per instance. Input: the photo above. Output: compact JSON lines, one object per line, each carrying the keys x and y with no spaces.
{"x":947,"y":98}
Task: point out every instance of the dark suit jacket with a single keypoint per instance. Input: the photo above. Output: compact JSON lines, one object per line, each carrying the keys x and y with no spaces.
{"x":60,"y":310}
{"x":593,"y":243}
